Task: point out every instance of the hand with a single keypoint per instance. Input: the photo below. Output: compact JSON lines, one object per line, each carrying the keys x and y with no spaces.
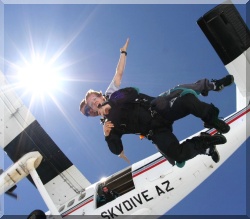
{"x":104,"y":110}
{"x":107,"y":127}
{"x":123,"y":156}
{"x":124,"y":48}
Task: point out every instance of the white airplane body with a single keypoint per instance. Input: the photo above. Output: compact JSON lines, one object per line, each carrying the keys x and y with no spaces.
{"x":151,"y":186}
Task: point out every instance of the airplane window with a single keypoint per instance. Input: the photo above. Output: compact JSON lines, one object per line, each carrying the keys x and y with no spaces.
{"x":121,"y":182}
{"x":71,"y":203}
{"x":61,"y":208}
{"x":81,"y":196}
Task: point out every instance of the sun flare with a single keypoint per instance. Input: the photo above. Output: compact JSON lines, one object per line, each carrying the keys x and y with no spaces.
{"x":38,"y":77}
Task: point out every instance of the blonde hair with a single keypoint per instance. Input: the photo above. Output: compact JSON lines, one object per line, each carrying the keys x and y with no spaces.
{"x":89,"y":92}
{"x":82,"y":104}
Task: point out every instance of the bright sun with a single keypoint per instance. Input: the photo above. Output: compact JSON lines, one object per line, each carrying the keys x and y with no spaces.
{"x":38,"y":77}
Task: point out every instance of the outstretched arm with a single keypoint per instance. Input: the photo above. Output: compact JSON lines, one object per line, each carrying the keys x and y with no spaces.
{"x":116,"y":81}
{"x":121,"y":65}
{"x":123,"y":156}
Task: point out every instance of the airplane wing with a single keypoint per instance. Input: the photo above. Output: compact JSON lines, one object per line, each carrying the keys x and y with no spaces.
{"x":229,"y":36}
{"x":22,"y":134}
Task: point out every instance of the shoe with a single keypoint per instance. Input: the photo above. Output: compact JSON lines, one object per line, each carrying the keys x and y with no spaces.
{"x":219,"y":125}
{"x":212,"y":151}
{"x":209,"y":141}
{"x":214,"y":154}
{"x":221,"y":83}
{"x":205,"y":141}
{"x":212,"y":121}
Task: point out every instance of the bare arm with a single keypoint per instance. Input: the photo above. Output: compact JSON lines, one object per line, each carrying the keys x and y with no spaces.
{"x":121,"y":65}
{"x":124,"y":157}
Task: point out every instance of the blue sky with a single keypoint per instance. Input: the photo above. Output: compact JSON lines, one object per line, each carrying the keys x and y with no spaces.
{"x":82,"y":41}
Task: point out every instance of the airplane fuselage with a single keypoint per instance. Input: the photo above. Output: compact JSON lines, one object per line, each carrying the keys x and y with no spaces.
{"x":155,"y":186}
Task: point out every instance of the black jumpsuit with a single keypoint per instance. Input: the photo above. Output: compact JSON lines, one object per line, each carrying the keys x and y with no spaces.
{"x":131,"y":113}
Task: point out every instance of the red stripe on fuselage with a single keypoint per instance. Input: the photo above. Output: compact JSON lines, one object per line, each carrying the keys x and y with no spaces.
{"x":78,"y":208}
{"x":150,"y":167}
{"x":233,"y":119}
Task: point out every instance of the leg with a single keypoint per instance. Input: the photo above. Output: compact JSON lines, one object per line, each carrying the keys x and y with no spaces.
{"x":172,"y":109}
{"x":169,"y":146}
{"x":202,"y":86}
{"x":178,"y":107}
{"x":186,"y":105}
{"x":190,"y":104}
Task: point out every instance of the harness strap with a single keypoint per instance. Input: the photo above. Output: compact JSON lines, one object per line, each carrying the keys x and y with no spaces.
{"x":184,"y":91}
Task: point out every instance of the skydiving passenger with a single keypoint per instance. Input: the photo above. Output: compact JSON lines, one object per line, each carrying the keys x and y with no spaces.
{"x":132,"y":112}
{"x":114,"y":84}
{"x":181,"y":99}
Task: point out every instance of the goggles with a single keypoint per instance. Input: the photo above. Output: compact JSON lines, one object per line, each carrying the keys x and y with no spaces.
{"x":87,"y":110}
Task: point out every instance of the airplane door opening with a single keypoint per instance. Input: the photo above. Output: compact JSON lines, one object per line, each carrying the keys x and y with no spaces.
{"x":121,"y":182}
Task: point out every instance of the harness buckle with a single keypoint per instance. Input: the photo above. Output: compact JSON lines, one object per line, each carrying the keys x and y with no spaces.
{"x":153,"y":112}
{"x":150,"y":134}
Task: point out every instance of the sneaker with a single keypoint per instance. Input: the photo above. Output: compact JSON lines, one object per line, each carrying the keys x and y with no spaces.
{"x":212,"y":151}
{"x":221,"y":83}
{"x":212,"y":121}
{"x":219,"y":125}
{"x":214,"y":154}
{"x":209,"y":141}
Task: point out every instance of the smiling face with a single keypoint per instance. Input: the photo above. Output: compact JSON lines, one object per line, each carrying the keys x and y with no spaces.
{"x":88,"y":111}
{"x":94,"y":101}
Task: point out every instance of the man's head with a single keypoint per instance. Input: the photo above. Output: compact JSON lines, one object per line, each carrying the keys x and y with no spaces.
{"x":87,"y":110}
{"x":94,"y":99}
{"x":105,"y":189}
